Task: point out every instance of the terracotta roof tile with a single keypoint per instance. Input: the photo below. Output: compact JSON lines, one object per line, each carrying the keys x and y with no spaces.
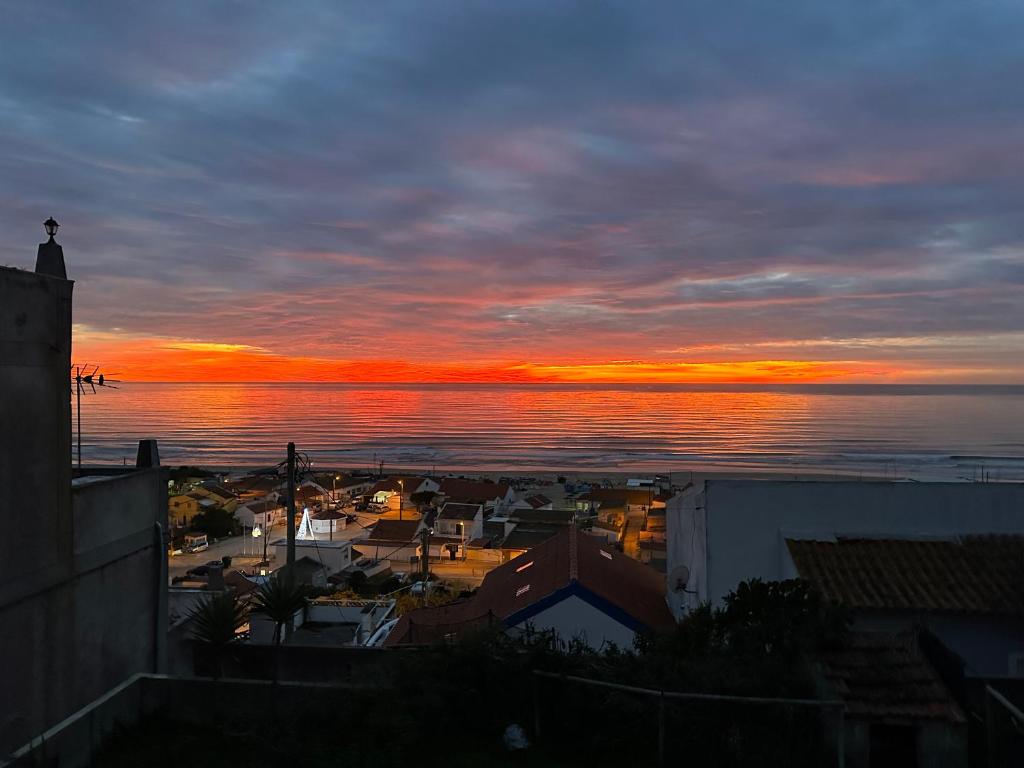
{"x":568,"y":556}
{"x":972,"y":574}
{"x":456,"y":511}
{"x":457,"y":489}
{"x":885,"y":678}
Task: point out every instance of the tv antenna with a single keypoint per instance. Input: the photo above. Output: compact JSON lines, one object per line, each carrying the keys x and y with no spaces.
{"x":86,"y":381}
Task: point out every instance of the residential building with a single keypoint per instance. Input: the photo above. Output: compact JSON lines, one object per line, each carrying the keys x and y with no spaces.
{"x":569,"y":584}
{"x":83,"y":580}
{"x":311,"y":495}
{"x":181,"y":508}
{"x":268,"y":511}
{"x":255,"y":487}
{"x":223,"y":497}
{"x":305,"y":570}
{"x":968,"y":590}
{"x":395,"y":540}
{"x":329,"y":622}
{"x":632,"y":500}
{"x":898,"y":710}
{"x":533,"y":501}
{"x":397,"y":491}
{"x":722,"y":532}
{"x":335,"y":556}
{"x":455,"y":526}
{"x":496,"y":497}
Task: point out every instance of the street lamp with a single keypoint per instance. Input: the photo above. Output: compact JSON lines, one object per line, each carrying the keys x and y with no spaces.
{"x":401,"y":490}
{"x":335,"y":488}
{"x":51,"y":226}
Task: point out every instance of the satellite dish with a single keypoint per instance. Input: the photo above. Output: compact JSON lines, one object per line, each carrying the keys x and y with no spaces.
{"x":679,"y":578}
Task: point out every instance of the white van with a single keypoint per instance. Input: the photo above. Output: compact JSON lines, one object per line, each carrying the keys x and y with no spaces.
{"x":195,"y":542}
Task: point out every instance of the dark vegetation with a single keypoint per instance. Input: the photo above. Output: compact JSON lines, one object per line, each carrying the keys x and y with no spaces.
{"x":758,"y":644}
{"x":216,"y":523}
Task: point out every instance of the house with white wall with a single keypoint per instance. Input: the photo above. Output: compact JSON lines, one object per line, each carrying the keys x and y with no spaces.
{"x":496,"y":497}
{"x":722,"y":532}
{"x":571,"y":584}
{"x":268,"y":510}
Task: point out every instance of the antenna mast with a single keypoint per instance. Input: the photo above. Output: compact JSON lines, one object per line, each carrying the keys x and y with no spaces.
{"x":83,"y":377}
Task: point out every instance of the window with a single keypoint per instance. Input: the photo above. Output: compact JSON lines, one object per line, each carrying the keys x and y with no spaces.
{"x":522,"y":590}
{"x":606,"y":554}
{"x":522,"y":568}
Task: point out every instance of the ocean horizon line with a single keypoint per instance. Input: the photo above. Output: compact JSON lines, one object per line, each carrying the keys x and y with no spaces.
{"x":739,"y":385}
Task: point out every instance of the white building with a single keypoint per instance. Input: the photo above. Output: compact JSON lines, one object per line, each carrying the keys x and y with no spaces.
{"x":260,"y":513}
{"x":571,"y":584}
{"x":722,"y":532}
{"x":334,"y":555}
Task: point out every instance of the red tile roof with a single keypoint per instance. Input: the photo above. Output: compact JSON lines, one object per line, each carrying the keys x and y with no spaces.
{"x":406,"y":485}
{"x":569,"y":557}
{"x":886,"y":679}
{"x":393,"y":531}
{"x":537,"y":500}
{"x":617,"y":496}
{"x":457,"y":489}
{"x":972,"y":574}
{"x":457,"y":511}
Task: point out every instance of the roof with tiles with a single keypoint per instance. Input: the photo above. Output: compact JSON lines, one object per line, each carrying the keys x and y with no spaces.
{"x":972,"y":574}
{"x":610,"y":497}
{"x":393,"y":531}
{"x":459,"y":489}
{"x":456,"y":511}
{"x":567,"y":559}
{"x":886,"y":679}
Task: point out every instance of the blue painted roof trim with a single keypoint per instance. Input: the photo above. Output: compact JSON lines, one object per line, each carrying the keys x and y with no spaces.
{"x":575,"y":589}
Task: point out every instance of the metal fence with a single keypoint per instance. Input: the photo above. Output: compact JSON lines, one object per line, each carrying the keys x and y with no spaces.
{"x":749,"y":729}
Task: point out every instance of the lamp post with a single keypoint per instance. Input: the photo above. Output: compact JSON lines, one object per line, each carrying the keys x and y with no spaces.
{"x":334,"y":488}
{"x":401,"y":491}
{"x":51,"y":227}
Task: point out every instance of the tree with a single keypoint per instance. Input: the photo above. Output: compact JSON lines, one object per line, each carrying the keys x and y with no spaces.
{"x":215,"y":622}
{"x":279,"y":599}
{"x":421,"y":498}
{"x":357,"y":581}
{"x":215,"y":523}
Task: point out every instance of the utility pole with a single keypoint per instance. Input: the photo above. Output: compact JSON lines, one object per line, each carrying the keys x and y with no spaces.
{"x":290,"y":502}
{"x":425,"y":562}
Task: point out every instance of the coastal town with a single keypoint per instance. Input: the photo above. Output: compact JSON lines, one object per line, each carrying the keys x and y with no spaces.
{"x":511,"y":384}
{"x":889,"y":612}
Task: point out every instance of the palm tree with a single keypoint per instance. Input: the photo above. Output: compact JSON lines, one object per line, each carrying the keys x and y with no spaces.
{"x":279,"y":599}
{"x":215,"y":622}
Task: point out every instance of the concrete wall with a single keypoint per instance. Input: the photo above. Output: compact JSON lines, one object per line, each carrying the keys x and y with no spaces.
{"x":83,"y":571}
{"x":727,"y":531}
{"x":35,"y":427}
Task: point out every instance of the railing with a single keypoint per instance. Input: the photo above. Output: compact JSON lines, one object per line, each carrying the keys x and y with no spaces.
{"x":662,"y":696}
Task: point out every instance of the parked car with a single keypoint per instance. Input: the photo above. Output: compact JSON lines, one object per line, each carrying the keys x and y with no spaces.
{"x":196,"y":542}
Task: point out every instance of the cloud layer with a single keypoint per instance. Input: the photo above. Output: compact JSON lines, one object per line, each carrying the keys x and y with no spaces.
{"x":489,"y":187}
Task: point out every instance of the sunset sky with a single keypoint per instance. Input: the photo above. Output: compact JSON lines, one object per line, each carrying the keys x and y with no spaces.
{"x":444,"y":191}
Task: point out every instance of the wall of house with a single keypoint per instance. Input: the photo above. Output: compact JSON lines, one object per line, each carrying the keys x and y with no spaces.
{"x":35,"y":427}
{"x":573,"y":617}
{"x":984,"y":643}
{"x":102,"y":621}
{"x":727,"y":531}
{"x":335,"y":557}
{"x":81,"y":574}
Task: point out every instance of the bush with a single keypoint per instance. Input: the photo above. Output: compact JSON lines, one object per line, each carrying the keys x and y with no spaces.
{"x":215,"y":523}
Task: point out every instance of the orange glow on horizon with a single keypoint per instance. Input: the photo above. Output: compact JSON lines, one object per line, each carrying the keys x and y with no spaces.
{"x":173,"y":360}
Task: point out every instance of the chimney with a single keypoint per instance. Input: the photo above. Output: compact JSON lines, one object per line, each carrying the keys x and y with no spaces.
{"x":148,"y":455}
{"x":215,"y":578}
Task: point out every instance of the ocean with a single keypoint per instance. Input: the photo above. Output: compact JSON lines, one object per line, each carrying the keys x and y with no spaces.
{"x":925,"y":432}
